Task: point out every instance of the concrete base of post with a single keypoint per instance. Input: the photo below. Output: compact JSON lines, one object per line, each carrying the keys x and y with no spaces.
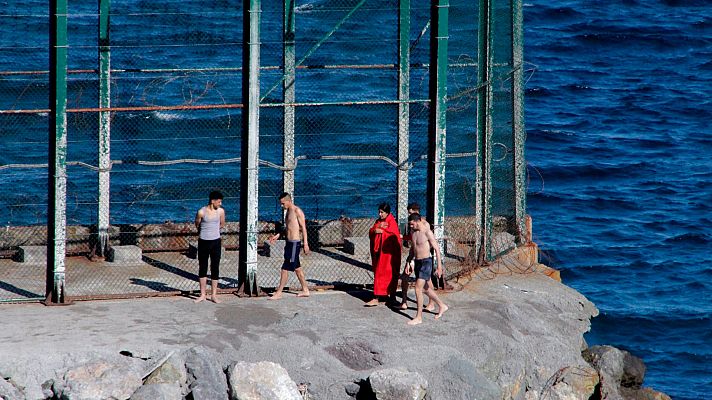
{"x":357,"y":245}
{"x":125,"y":254}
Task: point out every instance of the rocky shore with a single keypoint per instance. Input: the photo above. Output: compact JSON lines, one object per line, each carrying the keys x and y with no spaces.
{"x":510,"y":337}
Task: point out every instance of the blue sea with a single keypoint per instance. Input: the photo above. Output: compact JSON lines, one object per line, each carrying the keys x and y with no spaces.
{"x":619,"y":148}
{"x":618,"y":117}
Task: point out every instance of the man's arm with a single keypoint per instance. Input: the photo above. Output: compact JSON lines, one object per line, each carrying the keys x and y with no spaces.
{"x":222,"y":218}
{"x":198,"y":218}
{"x":303,"y":228}
{"x":436,"y":248}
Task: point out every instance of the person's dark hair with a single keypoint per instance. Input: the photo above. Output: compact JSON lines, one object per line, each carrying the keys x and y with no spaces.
{"x":215,"y":195}
{"x":414,"y":217}
{"x":385,"y":207}
{"x":285,"y":195}
{"x":414,"y":206}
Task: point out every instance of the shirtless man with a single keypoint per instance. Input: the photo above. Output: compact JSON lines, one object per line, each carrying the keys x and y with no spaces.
{"x":413,"y":208}
{"x":295,"y":229}
{"x":423,"y":241}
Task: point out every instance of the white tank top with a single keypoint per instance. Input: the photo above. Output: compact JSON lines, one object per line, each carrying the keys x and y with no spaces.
{"x":210,"y":225}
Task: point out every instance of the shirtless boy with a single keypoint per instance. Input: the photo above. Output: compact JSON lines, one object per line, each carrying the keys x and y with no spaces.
{"x":295,"y":230}
{"x":413,"y":208}
{"x":423,"y":241}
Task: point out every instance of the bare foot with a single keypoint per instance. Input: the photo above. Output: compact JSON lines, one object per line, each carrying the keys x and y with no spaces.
{"x":276,"y":296}
{"x":403,"y":306}
{"x":441,"y":311}
{"x":304,"y":293}
{"x":415,"y":321}
{"x":214,"y":299}
{"x":430,"y":307}
{"x":371,"y":303}
{"x":199,"y":299}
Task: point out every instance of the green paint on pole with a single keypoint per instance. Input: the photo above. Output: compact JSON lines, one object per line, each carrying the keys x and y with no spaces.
{"x":437,"y":118}
{"x":104,"y":129}
{"x":403,"y":111}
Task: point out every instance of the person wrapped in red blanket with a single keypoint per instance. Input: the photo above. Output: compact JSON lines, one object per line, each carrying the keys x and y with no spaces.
{"x":385,"y":255}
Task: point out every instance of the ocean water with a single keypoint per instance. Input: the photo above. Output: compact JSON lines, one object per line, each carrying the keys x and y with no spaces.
{"x":619,"y":148}
{"x":618,"y":116}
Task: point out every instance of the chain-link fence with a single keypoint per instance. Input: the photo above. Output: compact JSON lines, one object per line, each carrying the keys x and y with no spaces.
{"x":351,"y":115}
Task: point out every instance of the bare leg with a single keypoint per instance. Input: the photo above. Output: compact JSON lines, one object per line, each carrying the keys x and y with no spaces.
{"x":419,"y":301}
{"x":428,"y":289}
{"x":282,"y":283}
{"x":404,"y":291}
{"x":214,"y":287}
{"x":203,"y":284}
{"x":442,"y":307}
{"x":305,"y":290}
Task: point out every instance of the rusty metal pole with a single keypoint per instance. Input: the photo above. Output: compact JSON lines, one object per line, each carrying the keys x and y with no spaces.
{"x":57,"y":174}
{"x":403,"y":111}
{"x":249,"y":173}
{"x":288,"y":96}
{"x":104,"y":129}
{"x":437,"y":119}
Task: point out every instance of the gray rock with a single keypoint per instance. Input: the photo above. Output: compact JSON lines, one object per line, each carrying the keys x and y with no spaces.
{"x":398,"y":384}
{"x":172,"y":371}
{"x":100,"y":379}
{"x":571,"y":383}
{"x":8,"y":391}
{"x":633,"y":371}
{"x":356,"y":354}
{"x":462,"y":376}
{"x":206,"y":377}
{"x":158,"y":391}
{"x":261,"y":381}
{"x":608,"y":361}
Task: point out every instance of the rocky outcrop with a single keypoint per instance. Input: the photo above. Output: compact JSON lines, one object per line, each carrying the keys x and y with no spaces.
{"x":510,"y":337}
{"x":621,"y":374}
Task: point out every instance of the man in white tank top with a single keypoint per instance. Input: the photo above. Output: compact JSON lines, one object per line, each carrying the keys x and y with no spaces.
{"x":209,"y":220}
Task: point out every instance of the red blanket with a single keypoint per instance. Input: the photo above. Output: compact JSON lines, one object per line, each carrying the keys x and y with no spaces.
{"x":385,"y":255}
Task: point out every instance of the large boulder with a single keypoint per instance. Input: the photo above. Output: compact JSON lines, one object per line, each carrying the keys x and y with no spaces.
{"x":172,"y":371}
{"x":570,"y":383}
{"x":206,"y":377}
{"x":618,"y":368}
{"x":261,"y":381}
{"x":99,"y":379}
{"x":397,"y":384}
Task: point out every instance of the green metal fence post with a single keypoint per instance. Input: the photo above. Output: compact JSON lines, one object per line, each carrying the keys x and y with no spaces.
{"x":437,"y":118}
{"x":289,"y":97}
{"x":249,"y":174}
{"x":104,"y":129}
{"x":57,"y":182}
{"x":518,"y":130}
{"x":403,"y":110}
{"x":483,"y":186}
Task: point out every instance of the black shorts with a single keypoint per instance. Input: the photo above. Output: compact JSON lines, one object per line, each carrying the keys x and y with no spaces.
{"x":291,"y":255}
{"x":424,"y":268}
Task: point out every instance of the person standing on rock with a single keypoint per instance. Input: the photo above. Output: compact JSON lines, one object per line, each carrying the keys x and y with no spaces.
{"x":294,"y":227}
{"x":423,"y":241}
{"x":209,"y":220}
{"x":413,"y":208}
{"x":385,"y":243}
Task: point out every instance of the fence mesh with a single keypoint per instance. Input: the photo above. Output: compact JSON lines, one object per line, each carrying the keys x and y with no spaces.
{"x":154,"y":123}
